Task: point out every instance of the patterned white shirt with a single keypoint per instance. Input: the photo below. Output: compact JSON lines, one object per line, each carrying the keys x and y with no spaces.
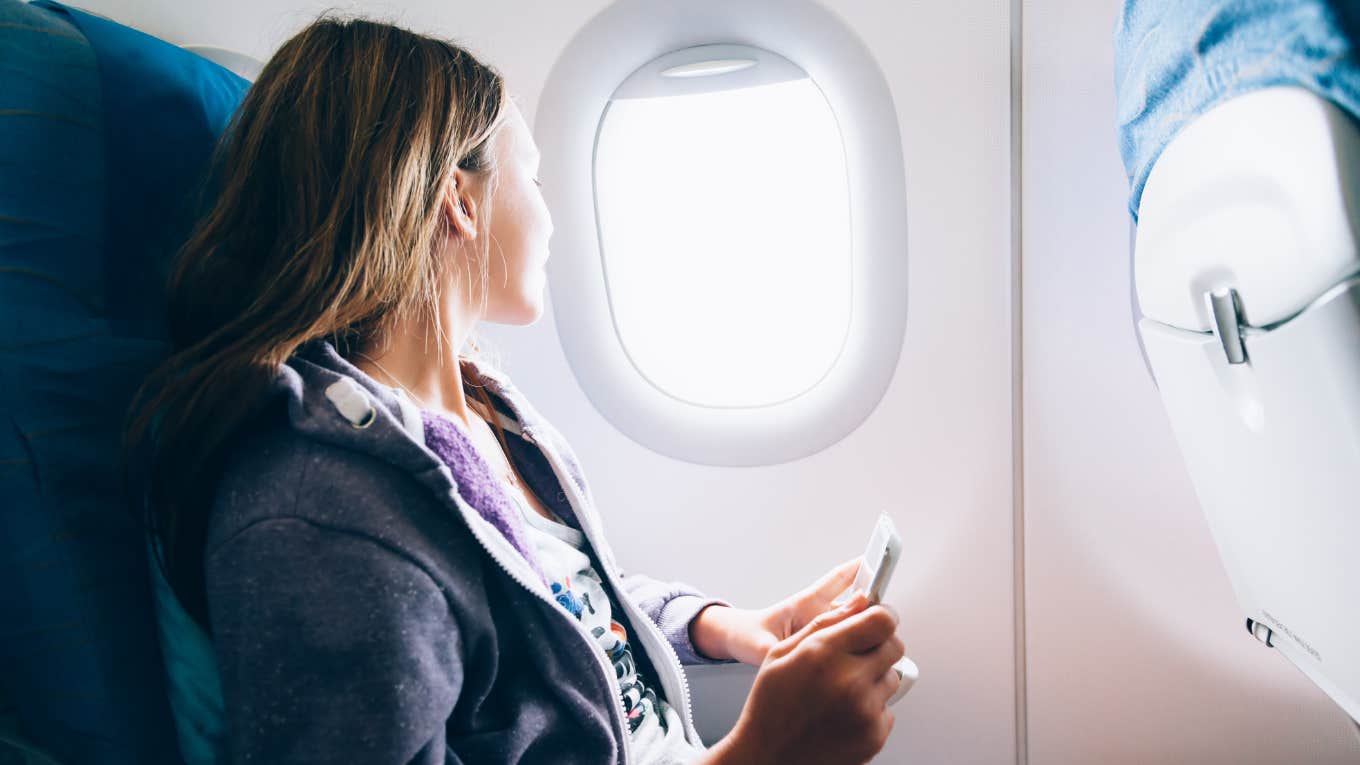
{"x":656,"y":732}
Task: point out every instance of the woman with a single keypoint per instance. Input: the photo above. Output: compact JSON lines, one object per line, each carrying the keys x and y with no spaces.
{"x":397,"y":558}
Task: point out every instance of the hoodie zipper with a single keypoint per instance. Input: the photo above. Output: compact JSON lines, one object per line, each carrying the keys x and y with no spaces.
{"x":537,"y":591}
{"x":648,"y":630}
{"x":609,"y":672}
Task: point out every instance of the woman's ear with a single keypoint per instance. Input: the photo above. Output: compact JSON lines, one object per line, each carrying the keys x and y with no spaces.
{"x":460,"y":210}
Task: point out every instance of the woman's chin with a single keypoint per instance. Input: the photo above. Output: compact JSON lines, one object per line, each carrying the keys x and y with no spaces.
{"x":530,"y":311}
{"x":522,"y":306}
{"x":536,"y":297}
{"x":536,"y":313}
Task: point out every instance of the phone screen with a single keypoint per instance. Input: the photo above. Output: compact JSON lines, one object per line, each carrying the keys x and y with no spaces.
{"x":878,"y":562}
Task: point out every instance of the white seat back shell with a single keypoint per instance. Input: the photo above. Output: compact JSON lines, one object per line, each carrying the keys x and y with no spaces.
{"x":1257,"y":199}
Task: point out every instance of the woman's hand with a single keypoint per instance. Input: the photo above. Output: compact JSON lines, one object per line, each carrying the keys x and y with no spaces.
{"x":821,"y":695}
{"x":747,"y":635}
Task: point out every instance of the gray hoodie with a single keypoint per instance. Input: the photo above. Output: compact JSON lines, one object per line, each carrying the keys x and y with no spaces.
{"x":366,"y":606}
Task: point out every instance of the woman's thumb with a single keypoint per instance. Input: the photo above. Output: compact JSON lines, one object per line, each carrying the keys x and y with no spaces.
{"x":838,"y":579}
{"x":823,"y":620}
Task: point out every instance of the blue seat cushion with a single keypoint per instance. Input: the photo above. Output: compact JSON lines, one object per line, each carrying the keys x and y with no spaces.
{"x":105,"y":135}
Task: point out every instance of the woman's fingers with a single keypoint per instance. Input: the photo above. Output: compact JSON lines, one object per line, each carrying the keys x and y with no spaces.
{"x":817,"y":596}
{"x":840,"y":577}
{"x":863,"y":631}
{"x":828,"y":619}
{"x":886,"y":685}
{"x":884,"y":655}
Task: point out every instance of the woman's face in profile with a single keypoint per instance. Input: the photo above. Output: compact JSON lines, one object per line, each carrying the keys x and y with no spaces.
{"x":517,"y":248}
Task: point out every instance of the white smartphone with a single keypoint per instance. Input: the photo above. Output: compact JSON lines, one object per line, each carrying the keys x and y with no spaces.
{"x":875,"y":571}
{"x":877,"y":565}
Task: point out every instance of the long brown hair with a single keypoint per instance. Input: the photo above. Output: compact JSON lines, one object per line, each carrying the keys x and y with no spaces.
{"x":326,"y":223}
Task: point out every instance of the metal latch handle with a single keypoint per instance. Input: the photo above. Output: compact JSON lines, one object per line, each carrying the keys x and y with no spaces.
{"x":1226,"y":309}
{"x":1261,"y":632}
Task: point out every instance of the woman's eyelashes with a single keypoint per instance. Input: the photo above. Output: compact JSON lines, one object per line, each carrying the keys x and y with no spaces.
{"x":538,"y":182}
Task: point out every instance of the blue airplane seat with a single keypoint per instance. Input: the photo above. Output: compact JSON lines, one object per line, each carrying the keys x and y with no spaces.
{"x":105,"y":136}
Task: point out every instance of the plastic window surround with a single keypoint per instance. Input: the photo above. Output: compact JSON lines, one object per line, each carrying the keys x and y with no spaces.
{"x":604,"y":53}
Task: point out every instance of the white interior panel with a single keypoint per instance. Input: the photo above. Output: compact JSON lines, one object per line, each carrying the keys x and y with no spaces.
{"x":936,"y":450}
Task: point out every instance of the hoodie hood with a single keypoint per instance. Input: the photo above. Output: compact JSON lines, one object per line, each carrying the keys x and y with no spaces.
{"x":332,"y":401}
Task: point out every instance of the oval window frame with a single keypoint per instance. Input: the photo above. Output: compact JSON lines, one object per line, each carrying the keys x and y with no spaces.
{"x":608,"y":50}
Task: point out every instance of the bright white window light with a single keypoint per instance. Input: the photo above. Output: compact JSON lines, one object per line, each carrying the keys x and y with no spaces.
{"x":724,"y":221}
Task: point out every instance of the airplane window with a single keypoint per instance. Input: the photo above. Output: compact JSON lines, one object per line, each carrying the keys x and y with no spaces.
{"x":729,"y":271}
{"x":723,"y":208}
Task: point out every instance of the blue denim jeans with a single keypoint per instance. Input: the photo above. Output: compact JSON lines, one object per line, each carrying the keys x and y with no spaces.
{"x":1176,"y":59}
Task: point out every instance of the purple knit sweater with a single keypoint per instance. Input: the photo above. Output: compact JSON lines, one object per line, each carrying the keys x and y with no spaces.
{"x":448,"y":441}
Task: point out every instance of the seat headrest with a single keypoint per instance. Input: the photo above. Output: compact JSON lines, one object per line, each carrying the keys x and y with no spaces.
{"x":105,"y":135}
